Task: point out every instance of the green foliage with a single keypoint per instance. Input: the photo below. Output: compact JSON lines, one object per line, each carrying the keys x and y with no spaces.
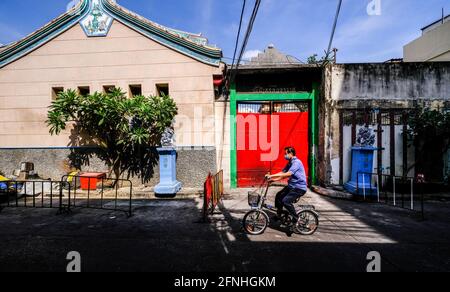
{"x":312,"y":60}
{"x":116,"y":124}
{"x":429,"y":132}
{"x":429,"y":125}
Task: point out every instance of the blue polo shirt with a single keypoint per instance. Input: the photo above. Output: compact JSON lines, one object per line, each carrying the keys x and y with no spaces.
{"x":298,"y":179}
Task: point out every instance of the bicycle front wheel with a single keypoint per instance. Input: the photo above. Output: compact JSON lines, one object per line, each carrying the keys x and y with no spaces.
{"x":256,"y":222}
{"x":308,"y":223}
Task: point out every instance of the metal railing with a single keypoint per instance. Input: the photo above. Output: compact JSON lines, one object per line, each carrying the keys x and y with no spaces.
{"x":398,"y":191}
{"x":36,"y":194}
{"x":103,"y":194}
{"x":213,"y":193}
{"x":100,"y":193}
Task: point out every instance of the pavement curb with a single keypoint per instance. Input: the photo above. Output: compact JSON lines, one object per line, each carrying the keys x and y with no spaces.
{"x":332,"y":193}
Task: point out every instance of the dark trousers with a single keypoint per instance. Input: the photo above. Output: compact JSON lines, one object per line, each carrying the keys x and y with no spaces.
{"x":286,"y":198}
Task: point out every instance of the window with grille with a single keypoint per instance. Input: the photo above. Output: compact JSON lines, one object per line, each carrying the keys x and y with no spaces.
{"x":272,"y":107}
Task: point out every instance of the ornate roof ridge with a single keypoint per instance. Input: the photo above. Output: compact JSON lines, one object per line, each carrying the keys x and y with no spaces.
{"x":193,"y":45}
{"x":196,"y":38}
{"x":74,"y":11}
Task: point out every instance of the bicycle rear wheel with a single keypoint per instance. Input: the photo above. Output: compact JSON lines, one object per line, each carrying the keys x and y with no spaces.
{"x":307,"y":224}
{"x":255,"y":222}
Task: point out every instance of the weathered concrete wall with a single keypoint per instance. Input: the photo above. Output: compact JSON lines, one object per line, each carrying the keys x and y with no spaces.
{"x":391,"y":82}
{"x":374,"y":86}
{"x":193,"y":164}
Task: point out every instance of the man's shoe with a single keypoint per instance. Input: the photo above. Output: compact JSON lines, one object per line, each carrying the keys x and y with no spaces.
{"x":276,"y":218}
{"x":290,"y":231}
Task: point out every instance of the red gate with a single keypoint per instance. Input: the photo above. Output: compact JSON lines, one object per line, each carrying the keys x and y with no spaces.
{"x":264,"y":129}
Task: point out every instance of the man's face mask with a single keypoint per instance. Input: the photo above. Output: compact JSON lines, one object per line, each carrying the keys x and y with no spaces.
{"x":287,"y":157}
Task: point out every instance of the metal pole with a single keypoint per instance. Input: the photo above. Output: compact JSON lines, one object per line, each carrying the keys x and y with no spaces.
{"x":412,"y":194}
{"x":357,"y":183}
{"x":117,"y":189}
{"x":42,"y":195}
{"x":364,"y":186}
{"x":60,"y":197}
{"x":403,"y":192}
{"x":89,"y":191}
{"x":395,"y":201}
{"x":131,"y":199}
{"x":8,"y":193}
{"x":378,"y":188}
{"x":25,"y":194}
{"x":16,"y":188}
{"x":34,"y":194}
{"x":422,"y":195}
{"x":102,"y":190}
{"x":51,"y":195}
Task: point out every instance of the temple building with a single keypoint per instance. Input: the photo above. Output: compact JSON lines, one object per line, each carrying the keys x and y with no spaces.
{"x":272,"y":101}
{"x":95,"y":46}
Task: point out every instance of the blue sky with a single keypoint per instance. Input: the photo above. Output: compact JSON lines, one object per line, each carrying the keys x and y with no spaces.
{"x":296,"y":27}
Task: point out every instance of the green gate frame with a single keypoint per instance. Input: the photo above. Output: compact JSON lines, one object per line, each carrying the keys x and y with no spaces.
{"x":312,"y":97}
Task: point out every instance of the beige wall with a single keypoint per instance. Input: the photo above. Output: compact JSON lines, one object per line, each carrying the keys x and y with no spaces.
{"x":433,"y":46}
{"x":222,"y":125}
{"x":122,"y":58}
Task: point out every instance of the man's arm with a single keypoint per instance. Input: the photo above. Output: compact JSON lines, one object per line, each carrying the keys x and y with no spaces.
{"x":279,"y":176}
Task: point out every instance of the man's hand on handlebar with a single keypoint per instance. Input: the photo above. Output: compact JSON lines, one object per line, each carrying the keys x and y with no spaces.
{"x":271,"y":178}
{"x":277,"y":177}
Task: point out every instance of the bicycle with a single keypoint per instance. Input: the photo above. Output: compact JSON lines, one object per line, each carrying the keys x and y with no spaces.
{"x":257,"y":220}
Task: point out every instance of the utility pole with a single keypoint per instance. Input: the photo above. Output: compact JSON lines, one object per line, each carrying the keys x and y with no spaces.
{"x":335,"y":50}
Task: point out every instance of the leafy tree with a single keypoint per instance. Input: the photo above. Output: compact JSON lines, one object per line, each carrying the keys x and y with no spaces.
{"x":312,"y":60}
{"x":119,"y":126}
{"x":429,"y":132}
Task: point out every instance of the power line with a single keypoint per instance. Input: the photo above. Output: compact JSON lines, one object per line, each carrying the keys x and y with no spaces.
{"x":249,"y":30}
{"x":239,"y":33}
{"x":333,"y":30}
{"x":246,"y":38}
{"x":233,"y":74}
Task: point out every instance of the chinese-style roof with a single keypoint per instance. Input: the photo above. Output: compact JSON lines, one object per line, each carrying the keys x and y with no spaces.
{"x":193,"y":45}
{"x":272,"y":57}
{"x":272,"y":60}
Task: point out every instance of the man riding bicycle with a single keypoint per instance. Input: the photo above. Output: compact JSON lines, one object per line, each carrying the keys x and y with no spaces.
{"x":297,"y":185}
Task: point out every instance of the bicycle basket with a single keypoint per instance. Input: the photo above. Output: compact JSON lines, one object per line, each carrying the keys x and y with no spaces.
{"x":254,"y":199}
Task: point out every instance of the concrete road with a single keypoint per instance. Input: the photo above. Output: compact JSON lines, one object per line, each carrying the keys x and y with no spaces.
{"x":166,"y":236}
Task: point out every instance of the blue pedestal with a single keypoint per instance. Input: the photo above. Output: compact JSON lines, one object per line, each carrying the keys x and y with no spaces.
{"x":168,"y":172}
{"x":362,"y":162}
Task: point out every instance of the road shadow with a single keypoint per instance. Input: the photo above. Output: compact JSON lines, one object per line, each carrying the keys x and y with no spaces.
{"x":164,"y":236}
